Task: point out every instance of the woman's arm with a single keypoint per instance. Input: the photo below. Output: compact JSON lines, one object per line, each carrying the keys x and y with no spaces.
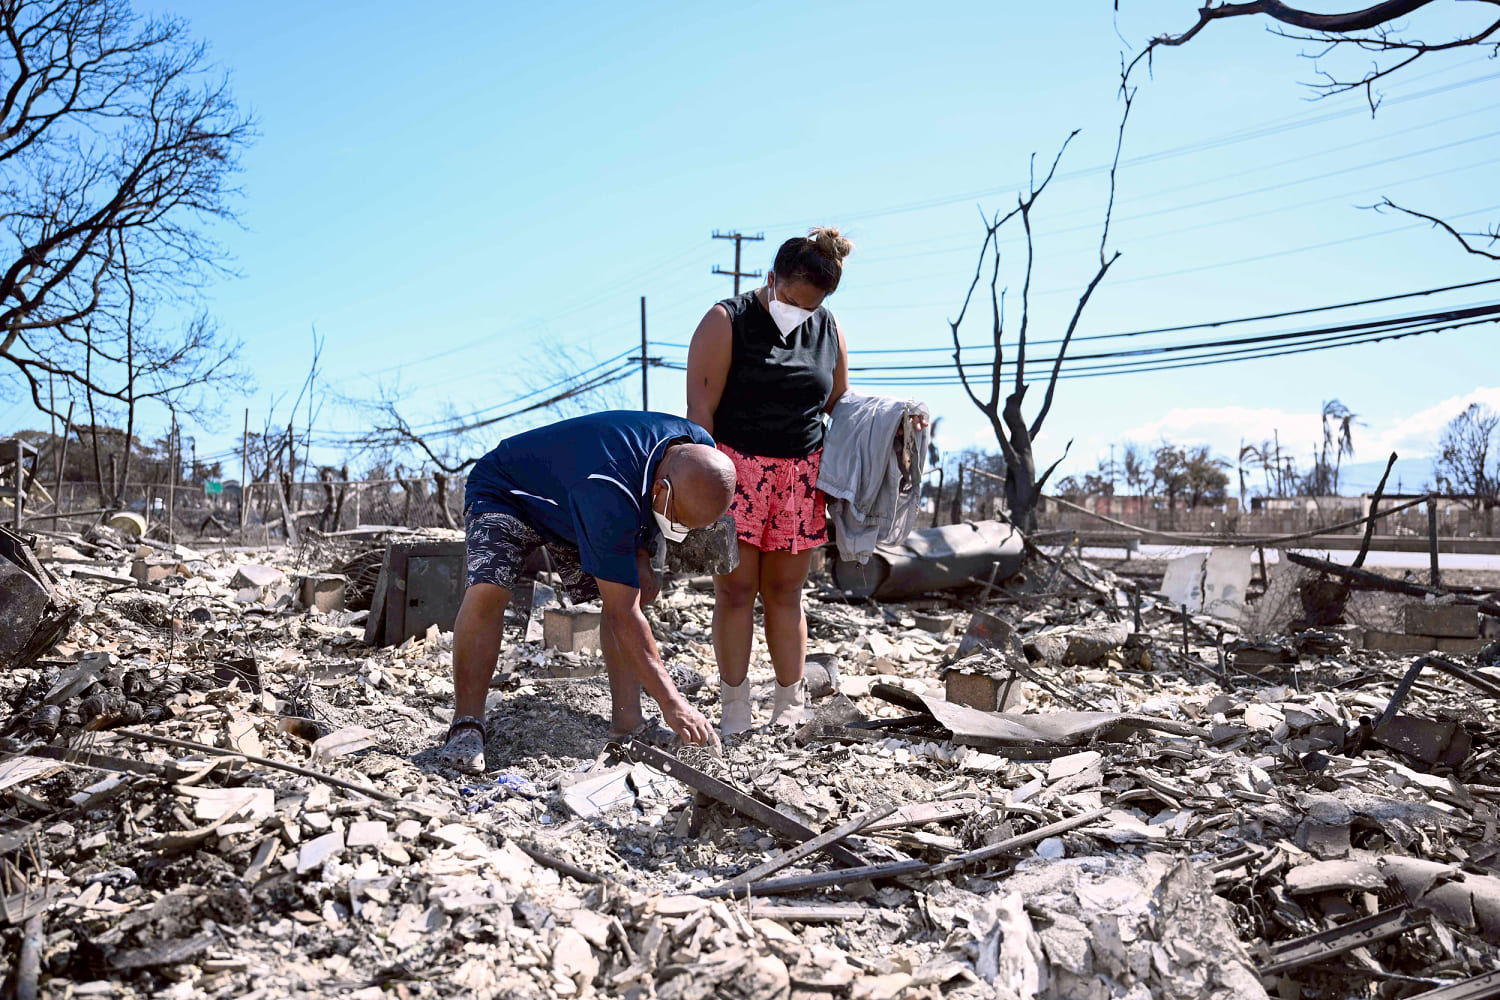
{"x":840,"y":371}
{"x":709,"y":355}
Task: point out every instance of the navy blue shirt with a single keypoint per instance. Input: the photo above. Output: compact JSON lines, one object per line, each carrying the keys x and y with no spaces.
{"x":585,"y":482}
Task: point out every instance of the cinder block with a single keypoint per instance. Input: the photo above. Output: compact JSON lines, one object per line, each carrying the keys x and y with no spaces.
{"x":981,"y":691}
{"x":571,"y":630}
{"x":324,"y":592}
{"x":936,"y":624}
{"x":152,"y":570}
{"x":1395,"y":642}
{"x":1460,"y":621}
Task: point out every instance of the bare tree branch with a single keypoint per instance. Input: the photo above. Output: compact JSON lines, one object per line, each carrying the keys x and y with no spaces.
{"x":1492,"y":236}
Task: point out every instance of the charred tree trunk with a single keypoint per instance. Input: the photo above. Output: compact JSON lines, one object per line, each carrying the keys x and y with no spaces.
{"x":441,"y":479}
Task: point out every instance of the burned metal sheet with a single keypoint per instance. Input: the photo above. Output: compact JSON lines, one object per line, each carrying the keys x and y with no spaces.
{"x":35,"y":613}
{"x":972,"y":727}
{"x":942,"y":558}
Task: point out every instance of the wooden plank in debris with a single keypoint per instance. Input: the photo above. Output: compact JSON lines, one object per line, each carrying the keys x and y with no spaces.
{"x":1340,"y":940}
{"x":922,"y":813}
{"x":163,"y":952}
{"x":24,"y":905}
{"x":395,"y":595}
{"x":807,"y":913}
{"x":375,"y":623}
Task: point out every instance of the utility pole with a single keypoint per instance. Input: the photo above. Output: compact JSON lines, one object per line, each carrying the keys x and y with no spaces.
{"x":736,"y":274}
{"x":645,"y":361}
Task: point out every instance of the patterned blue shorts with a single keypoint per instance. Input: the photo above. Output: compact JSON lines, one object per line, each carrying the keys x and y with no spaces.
{"x":498,"y":545}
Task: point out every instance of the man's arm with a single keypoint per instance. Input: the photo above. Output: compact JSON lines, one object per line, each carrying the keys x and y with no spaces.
{"x":623,"y":615}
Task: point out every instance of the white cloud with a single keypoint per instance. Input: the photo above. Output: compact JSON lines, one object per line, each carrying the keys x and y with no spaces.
{"x":1223,"y":428}
{"x":1417,"y":435}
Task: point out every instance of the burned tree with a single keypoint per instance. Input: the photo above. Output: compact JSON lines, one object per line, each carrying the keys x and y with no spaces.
{"x":1376,"y":31}
{"x":1466,"y":450}
{"x":1023,"y":486}
{"x":115,"y":150}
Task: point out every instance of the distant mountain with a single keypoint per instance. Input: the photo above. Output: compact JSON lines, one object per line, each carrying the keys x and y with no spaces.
{"x":1412,"y":474}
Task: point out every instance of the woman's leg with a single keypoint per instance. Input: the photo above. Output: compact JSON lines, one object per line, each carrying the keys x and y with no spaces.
{"x":782,"y":576}
{"x":734,"y":615}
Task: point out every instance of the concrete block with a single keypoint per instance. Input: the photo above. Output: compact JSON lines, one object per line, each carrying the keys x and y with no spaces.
{"x":981,"y":691}
{"x":255,"y":575}
{"x":324,"y":592}
{"x":1460,"y":621}
{"x":152,"y":570}
{"x":1395,"y":642}
{"x":571,"y":630}
{"x":936,"y":624}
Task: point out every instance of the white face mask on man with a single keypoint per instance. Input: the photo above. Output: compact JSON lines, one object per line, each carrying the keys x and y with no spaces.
{"x":786,"y":316}
{"x":670,"y":529}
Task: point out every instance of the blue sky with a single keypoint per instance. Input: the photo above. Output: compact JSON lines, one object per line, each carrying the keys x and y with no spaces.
{"x":463,"y":199}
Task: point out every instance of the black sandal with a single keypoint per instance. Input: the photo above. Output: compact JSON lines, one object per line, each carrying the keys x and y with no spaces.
{"x":466,"y":722}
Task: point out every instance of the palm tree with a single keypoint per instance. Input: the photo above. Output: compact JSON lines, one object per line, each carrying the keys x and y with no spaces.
{"x":1338,"y":432}
{"x":1250,"y":456}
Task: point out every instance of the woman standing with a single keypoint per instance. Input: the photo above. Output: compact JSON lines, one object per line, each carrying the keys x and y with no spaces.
{"x":762,"y":370}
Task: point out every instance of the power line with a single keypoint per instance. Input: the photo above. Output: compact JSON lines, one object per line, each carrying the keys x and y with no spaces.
{"x":1205,"y":325}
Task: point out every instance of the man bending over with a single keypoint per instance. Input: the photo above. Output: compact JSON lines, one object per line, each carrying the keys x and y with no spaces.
{"x":595,"y":490}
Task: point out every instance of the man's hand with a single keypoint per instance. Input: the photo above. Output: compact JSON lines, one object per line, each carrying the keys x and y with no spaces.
{"x":687,"y":722}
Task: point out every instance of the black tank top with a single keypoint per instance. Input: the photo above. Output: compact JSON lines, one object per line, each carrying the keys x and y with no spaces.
{"x":774,"y":396}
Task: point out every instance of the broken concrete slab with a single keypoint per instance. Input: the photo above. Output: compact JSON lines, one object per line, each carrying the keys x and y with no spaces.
{"x":255,"y":575}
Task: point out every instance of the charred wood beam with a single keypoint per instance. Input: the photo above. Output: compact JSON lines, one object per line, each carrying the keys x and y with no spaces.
{"x":1374,"y":581}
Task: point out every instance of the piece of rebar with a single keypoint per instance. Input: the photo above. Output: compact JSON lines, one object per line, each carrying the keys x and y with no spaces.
{"x":306,"y":772}
{"x":1343,"y":939}
{"x":810,"y":847}
{"x":1036,"y":836}
{"x":896,"y":869}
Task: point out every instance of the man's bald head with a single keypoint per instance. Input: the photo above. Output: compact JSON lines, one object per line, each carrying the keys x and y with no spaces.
{"x":702,"y":481}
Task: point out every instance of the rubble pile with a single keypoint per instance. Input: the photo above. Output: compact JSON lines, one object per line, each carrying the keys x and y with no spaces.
{"x":1056,"y":788}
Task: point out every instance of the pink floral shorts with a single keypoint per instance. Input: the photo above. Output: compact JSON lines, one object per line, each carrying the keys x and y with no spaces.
{"x":777,"y":506}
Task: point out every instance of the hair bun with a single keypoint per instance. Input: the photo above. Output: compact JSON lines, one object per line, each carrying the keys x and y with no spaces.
{"x":830,"y":243}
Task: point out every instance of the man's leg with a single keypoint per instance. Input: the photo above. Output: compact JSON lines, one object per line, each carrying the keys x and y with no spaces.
{"x":734,"y":616}
{"x":476,"y":646}
{"x":495,"y":548}
{"x":782,"y":576}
